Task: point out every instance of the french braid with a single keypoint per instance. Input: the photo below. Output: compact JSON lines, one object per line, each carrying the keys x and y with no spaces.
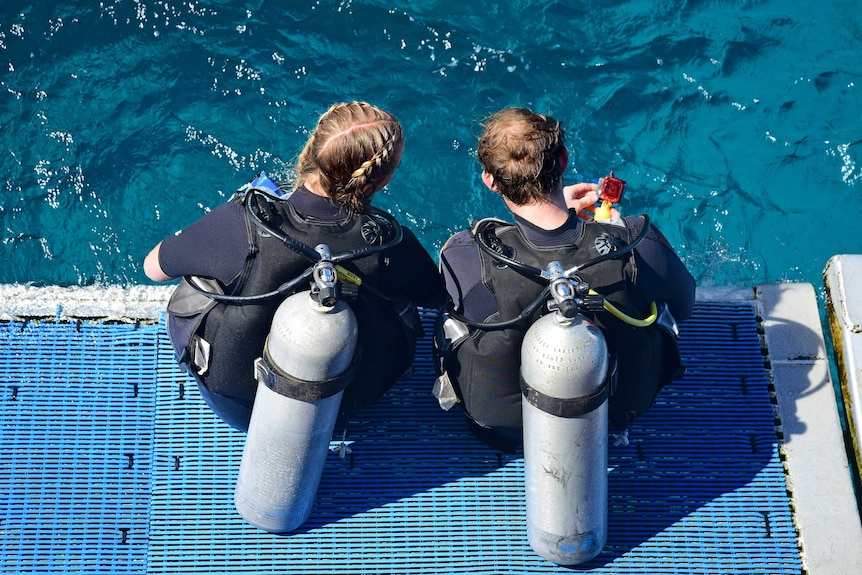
{"x":353,"y":150}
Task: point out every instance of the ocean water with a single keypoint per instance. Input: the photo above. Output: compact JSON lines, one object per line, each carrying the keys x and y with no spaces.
{"x":735,"y":123}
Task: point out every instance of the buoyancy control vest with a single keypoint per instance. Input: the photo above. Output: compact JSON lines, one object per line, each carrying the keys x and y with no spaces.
{"x":612,"y":278}
{"x":218,"y":341}
{"x":484,"y":366}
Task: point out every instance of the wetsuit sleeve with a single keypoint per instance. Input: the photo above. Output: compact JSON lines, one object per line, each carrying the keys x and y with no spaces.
{"x":662,"y":276}
{"x":215,"y":246}
{"x":414,"y":273}
{"x":462,"y":272}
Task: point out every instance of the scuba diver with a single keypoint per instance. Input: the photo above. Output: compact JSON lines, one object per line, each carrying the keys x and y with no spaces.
{"x":637,"y":284}
{"x":245,"y":257}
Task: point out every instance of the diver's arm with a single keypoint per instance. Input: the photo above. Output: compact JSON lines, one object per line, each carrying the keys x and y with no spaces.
{"x":152,"y":267}
{"x":411,"y":272}
{"x":461,"y":267}
{"x":663,"y":276}
{"x":215,"y":247}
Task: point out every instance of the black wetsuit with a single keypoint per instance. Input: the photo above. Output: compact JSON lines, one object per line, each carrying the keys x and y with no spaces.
{"x":484,"y":368}
{"x":225,"y":246}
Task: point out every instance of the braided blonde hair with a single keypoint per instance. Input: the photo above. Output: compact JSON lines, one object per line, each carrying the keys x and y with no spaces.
{"x":354,"y":150}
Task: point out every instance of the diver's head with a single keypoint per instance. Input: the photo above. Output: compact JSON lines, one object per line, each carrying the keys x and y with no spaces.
{"x":523,"y":155}
{"x":352,"y":153}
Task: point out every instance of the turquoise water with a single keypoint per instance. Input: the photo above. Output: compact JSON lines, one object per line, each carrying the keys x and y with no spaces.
{"x":736,"y":123}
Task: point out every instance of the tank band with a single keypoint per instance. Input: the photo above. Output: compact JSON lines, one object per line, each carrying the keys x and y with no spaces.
{"x":568,"y":408}
{"x":285,"y":384}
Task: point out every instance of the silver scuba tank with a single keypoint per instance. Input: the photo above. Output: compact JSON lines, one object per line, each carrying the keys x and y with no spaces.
{"x":306,"y":365}
{"x":564,"y":363}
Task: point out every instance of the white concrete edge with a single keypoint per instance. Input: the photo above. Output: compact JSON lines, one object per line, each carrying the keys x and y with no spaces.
{"x":111,"y":303}
{"x":148,"y":302}
{"x":818,"y":473}
{"x":720,"y":294}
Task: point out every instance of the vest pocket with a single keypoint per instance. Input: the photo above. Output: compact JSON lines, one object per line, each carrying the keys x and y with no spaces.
{"x":187,"y":309}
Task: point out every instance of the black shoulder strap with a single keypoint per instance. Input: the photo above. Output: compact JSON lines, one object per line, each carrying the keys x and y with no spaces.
{"x":251,"y":238}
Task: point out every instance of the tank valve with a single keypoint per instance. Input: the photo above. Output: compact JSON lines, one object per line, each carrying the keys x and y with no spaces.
{"x":325,"y":289}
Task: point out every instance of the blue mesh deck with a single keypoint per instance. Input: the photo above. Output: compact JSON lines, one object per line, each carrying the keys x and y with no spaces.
{"x":111,"y":463}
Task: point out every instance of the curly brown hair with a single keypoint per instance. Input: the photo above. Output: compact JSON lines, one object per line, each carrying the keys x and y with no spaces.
{"x":521,"y":151}
{"x":353,"y":150}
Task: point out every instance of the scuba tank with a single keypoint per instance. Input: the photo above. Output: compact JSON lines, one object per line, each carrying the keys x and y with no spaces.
{"x":564,"y":369}
{"x":308,"y":361}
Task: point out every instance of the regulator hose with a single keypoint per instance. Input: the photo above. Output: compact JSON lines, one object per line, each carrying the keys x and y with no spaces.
{"x":531,"y":271}
{"x":307,"y":252}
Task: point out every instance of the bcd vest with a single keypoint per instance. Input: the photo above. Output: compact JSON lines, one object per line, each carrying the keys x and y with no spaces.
{"x":484,"y":367}
{"x":219,"y":341}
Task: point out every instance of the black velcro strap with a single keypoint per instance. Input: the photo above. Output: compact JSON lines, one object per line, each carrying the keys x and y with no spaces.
{"x":568,"y":408}
{"x":289,"y":386}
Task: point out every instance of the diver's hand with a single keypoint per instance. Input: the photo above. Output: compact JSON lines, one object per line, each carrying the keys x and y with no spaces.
{"x":580,"y":196}
{"x":583,"y":198}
